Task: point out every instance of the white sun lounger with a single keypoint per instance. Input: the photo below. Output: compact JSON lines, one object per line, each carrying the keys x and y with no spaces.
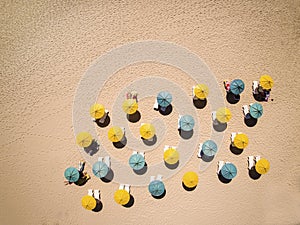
{"x":251,"y":162}
{"x":107,"y":161}
{"x":122,"y":186}
{"x":220,"y":165}
{"x":100,"y":159}
{"x":179,"y":121}
{"x":214,"y":118}
{"x":199,"y":150}
{"x":102,"y":119}
{"x":90,"y":192}
{"x":245,"y":110}
{"x":257,"y":158}
{"x":142,"y":154}
{"x":155,"y":106}
{"x":166,"y":147}
{"x":97,"y":194}
{"x":233,"y":136}
{"x":127,"y":188}
{"x":134,"y":152}
{"x":152,"y":178}
{"x":159,"y":177}
{"x":255,"y":87}
{"x":193,"y":93}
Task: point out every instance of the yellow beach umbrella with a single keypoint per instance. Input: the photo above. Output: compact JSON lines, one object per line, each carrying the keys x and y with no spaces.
{"x":190,"y":179}
{"x":266,"y":82}
{"x":241,"y":141}
{"x":88,"y":202}
{"x":171,"y":156}
{"x":115,"y":134}
{"x":130,"y":106}
{"x":97,"y":111}
{"x":262,"y":166}
{"x":223,"y":115}
{"x":147,"y":130}
{"x":201,"y":91}
{"x":122,"y":197}
{"x":84,"y":139}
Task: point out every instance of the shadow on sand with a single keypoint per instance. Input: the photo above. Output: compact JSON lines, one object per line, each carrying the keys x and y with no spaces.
{"x":161,"y":196}
{"x":135,"y":117}
{"x":165,"y":111}
{"x":172,"y":166}
{"x":219,"y":127}
{"x":206,"y":158}
{"x":109,"y":176}
{"x":93,"y":148}
{"x":141,"y":171}
{"x":105,"y":123}
{"x":150,"y":142}
{"x":98,"y":207}
{"x":186,"y":134}
{"x":235,"y":150}
{"x":187,"y":188}
{"x":130,"y":203}
{"x":120,"y":144}
{"x":199,"y":103}
{"x":250,"y":121}
{"x":223,"y":179}
{"x":253,"y":174}
{"x":232,"y":98}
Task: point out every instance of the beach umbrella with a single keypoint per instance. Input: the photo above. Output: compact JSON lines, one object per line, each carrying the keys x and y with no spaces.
{"x":209,"y":148}
{"x":88,"y":202}
{"x":136,"y":161}
{"x":266,"y":82}
{"x":122,"y":197}
{"x":130,"y":106}
{"x":164,"y":98}
{"x":171,"y":156}
{"x":256,"y":110}
{"x":201,"y":91}
{"x":241,"y":141}
{"x":97,"y":111}
{"x":190,"y":179}
{"x":262,"y":166}
{"x":147,"y":131}
{"x":115,"y":134}
{"x":223,"y":115}
{"x":100,"y":169}
{"x":84,"y":139}
{"x":156,"y":188}
{"x":186,"y":123}
{"x":72,"y":174}
{"x":237,"y":86}
{"x":228,"y":171}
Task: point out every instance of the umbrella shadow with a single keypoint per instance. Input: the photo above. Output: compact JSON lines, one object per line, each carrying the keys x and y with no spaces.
{"x":135,"y":117}
{"x":250,"y":121}
{"x":187,"y":188}
{"x":260,"y":97}
{"x":93,"y":148}
{"x":130,"y":203}
{"x":150,"y":142}
{"x":81,"y":181}
{"x":141,"y":171}
{"x":165,"y":110}
{"x":109,"y":176}
{"x":120,"y":144}
{"x":219,"y":127}
{"x":206,"y":158}
{"x":185,"y":134}
{"x":223,"y":179}
{"x":99,"y":206}
{"x":199,"y":103}
{"x":235,"y":150}
{"x":160,"y":196}
{"x":232,"y":98}
{"x":172,"y":166}
{"x":253,"y":174}
{"x":104,"y":124}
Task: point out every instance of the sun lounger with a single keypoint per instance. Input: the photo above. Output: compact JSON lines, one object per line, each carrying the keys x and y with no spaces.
{"x":123,"y":129}
{"x":245,"y":110}
{"x":90,"y":192}
{"x":233,"y":136}
{"x":128,"y":95}
{"x":127,"y":188}
{"x":100,"y":159}
{"x":255,"y":87}
{"x":102,"y":119}
{"x":257,"y":158}
{"x":97,"y":194}
{"x":226,"y":85}
{"x":251,"y":162}
{"x":179,"y":121}
{"x":142,"y":154}
{"x":81,"y":165}
{"x":166,"y":147}
{"x":214,"y":118}
{"x":193,"y":93}
{"x":155,"y":106}
{"x":159,"y":177}
{"x":199,"y":150}
{"x":122,"y":186}
{"x":220,"y":165}
{"x":107,"y":161}
{"x":134,"y":152}
{"x":152,"y":178}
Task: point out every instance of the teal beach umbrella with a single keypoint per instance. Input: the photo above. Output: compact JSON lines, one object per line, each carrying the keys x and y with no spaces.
{"x":256,"y":110}
{"x":164,"y":98}
{"x":229,"y":171}
{"x":237,"y":86}
{"x":209,"y":148}
{"x":137,"y":161}
{"x":186,"y":123}
{"x":100,"y":169}
{"x":156,"y":188}
{"x":72,"y":174}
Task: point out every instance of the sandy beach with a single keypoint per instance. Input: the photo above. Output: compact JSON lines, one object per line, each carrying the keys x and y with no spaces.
{"x":48,"y":50}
